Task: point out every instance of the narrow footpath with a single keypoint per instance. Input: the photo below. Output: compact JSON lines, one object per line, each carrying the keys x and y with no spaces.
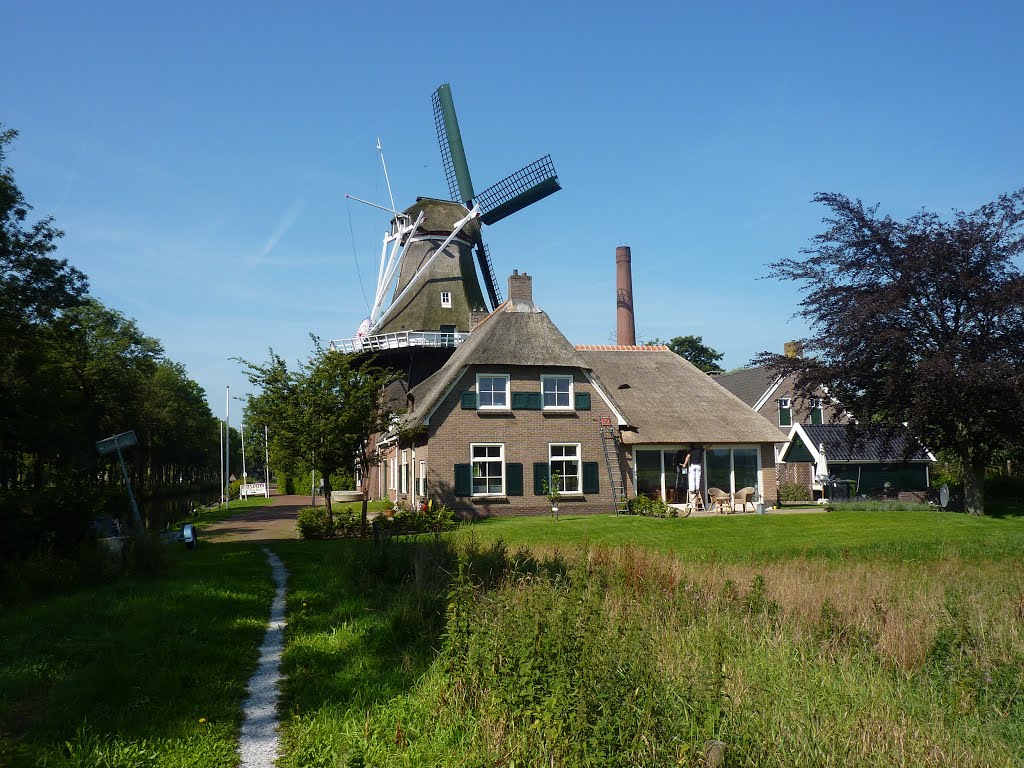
{"x":258,"y":743}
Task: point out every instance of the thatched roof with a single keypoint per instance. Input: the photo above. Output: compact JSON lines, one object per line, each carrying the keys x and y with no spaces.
{"x":517,"y":333}
{"x":669,"y":400}
{"x":441,"y":216}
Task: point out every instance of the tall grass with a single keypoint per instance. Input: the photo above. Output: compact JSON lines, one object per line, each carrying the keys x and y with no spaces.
{"x":627,"y":656}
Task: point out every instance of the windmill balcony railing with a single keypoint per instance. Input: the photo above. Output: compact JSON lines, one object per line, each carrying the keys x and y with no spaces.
{"x":385,"y":341}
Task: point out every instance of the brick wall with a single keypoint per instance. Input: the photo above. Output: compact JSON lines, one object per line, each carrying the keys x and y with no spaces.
{"x":525,"y":435}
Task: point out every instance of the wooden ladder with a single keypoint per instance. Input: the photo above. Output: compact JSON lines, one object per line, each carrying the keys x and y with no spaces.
{"x":610,"y":445}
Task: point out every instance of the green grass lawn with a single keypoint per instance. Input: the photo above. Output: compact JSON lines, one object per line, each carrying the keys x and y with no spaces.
{"x":895,"y":535}
{"x":846,"y":638}
{"x":136,"y":673}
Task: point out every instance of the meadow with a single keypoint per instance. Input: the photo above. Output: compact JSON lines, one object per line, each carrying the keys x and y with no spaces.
{"x":832,"y":639}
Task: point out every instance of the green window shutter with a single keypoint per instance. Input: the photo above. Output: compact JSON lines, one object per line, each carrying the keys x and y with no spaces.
{"x":540,"y":478}
{"x":513,"y":479}
{"x":816,"y":416}
{"x":463,"y":479}
{"x":582,"y":401}
{"x":469,"y":401}
{"x":520,"y":401}
{"x":591,"y":477}
{"x":785,"y":417}
{"x":534,"y":401}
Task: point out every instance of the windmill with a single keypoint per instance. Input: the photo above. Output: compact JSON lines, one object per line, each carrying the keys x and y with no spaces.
{"x":428,"y":253}
{"x":513,"y":193}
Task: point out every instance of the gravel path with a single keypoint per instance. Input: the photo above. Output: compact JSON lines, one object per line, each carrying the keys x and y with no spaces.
{"x":258,"y":743}
{"x":263,"y":524}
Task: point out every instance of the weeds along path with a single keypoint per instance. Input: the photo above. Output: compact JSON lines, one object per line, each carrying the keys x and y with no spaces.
{"x":258,"y":743}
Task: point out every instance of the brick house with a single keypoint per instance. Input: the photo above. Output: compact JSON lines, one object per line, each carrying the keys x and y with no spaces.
{"x":815,"y":441}
{"x":517,"y":402}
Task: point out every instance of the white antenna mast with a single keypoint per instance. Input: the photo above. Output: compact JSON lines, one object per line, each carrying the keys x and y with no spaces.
{"x":379,"y":149}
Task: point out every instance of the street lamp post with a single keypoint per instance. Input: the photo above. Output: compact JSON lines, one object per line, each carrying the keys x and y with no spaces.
{"x":227,"y":441}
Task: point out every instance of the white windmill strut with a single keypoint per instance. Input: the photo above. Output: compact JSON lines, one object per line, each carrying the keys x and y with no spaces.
{"x":437,"y":252}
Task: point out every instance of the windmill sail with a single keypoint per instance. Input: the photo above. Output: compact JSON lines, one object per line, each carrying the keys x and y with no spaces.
{"x":513,"y":193}
{"x":453,"y":154}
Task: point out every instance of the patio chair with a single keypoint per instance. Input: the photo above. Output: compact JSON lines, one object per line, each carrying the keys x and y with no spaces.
{"x":743,"y":497}
{"x":720,"y":500}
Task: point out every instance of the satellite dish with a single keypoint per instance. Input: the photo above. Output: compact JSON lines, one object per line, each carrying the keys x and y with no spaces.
{"x":944,"y":496}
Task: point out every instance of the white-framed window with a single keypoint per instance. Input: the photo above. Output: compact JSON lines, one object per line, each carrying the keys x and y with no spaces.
{"x":564,"y":458}
{"x":817,"y":411}
{"x":393,"y":474}
{"x":403,"y":476}
{"x":423,"y":479}
{"x":488,"y":461}
{"x":492,"y":391}
{"x":556,"y":391}
{"x":785,"y":412}
{"x":446,"y":299}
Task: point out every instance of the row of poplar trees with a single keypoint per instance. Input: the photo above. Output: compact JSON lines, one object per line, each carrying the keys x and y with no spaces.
{"x":73,"y":371}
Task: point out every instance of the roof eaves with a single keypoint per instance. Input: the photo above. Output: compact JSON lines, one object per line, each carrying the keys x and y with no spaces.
{"x":604,"y":396}
{"x":768,"y":393}
{"x":455,"y":380}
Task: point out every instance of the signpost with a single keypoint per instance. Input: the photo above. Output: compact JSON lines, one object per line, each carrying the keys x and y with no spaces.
{"x":115,"y":444}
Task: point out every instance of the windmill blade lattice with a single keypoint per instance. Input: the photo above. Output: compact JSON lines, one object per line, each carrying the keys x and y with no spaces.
{"x":513,"y":193}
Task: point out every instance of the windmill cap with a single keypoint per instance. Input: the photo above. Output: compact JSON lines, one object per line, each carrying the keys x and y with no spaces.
{"x":441,"y":216}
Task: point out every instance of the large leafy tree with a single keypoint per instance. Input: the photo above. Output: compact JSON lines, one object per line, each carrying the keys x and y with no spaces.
{"x":694,"y":349}
{"x":36,"y":289}
{"x":918,"y":322}
{"x":323,"y":413}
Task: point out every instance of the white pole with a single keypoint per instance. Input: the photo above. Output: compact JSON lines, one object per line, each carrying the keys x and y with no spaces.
{"x":266,"y":465}
{"x":227,"y":444}
{"x":221,"y":501}
{"x":244,"y":479}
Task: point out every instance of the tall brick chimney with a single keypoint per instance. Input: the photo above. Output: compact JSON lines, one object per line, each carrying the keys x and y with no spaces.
{"x":625,"y":331}
{"x":520,"y":287}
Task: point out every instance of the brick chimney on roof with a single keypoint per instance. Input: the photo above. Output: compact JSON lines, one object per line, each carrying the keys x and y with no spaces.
{"x":520,"y":287}
{"x":793,"y":349}
{"x":625,"y":331}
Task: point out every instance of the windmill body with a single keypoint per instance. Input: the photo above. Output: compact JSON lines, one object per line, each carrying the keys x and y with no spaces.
{"x":436,"y":290}
{"x":427,"y":286}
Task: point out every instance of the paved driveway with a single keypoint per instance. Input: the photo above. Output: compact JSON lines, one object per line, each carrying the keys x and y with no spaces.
{"x":272,"y":523}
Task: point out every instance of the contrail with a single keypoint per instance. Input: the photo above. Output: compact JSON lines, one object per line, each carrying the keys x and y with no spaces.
{"x":282,"y":228}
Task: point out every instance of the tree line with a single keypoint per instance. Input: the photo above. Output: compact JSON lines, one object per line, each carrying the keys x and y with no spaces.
{"x":74,"y":371}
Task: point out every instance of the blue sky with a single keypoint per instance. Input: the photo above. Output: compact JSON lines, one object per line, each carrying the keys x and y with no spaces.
{"x":197,"y":155}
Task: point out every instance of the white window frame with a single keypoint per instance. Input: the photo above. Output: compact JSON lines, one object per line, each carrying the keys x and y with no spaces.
{"x":473,"y":459}
{"x":786,"y":404}
{"x":403,"y":475}
{"x":393,"y":474}
{"x":578,"y":458}
{"x":731,"y":490}
{"x":446,"y":299}
{"x":422,"y":479}
{"x":817,"y":404}
{"x":508,"y":392}
{"x":552,"y":376}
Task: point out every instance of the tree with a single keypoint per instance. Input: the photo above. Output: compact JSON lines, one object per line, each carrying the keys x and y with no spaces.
{"x":35,"y":290}
{"x":918,"y":322}
{"x":694,"y":349}
{"x":323,"y":413}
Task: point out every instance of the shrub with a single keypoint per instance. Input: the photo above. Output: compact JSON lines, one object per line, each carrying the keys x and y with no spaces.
{"x":645,"y":506}
{"x":794,"y":492}
{"x":314,"y":523}
{"x":406,"y":522}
